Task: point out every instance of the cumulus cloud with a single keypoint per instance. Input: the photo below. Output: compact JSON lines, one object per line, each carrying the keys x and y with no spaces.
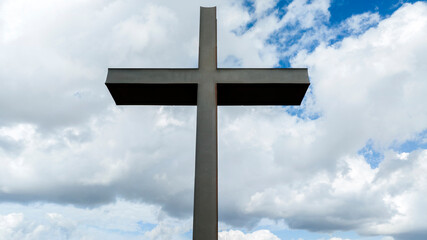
{"x":58,"y":60}
{"x":63,"y":141}
{"x":368,"y":74}
{"x":15,"y":226}
{"x":387,"y":238}
{"x":358,"y":92}
{"x":119,"y":220}
{"x":94,"y":172}
{"x":238,"y":235}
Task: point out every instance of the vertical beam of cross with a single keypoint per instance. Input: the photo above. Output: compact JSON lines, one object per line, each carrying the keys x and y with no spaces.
{"x":205,"y":221}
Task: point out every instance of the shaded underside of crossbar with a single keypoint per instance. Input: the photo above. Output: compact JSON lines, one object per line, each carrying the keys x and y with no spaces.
{"x":228,"y":94}
{"x":232,"y":94}
{"x":153,"y":94}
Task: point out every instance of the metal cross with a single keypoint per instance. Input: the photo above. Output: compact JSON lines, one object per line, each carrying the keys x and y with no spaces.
{"x":207,"y":87}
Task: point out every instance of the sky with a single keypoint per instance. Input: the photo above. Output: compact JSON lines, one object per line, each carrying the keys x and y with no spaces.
{"x":350,"y":163}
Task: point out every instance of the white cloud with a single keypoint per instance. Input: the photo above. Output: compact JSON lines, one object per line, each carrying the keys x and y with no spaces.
{"x":63,"y":141}
{"x":357,"y":24}
{"x":9,"y":222}
{"x":307,"y":13}
{"x":367,"y":80}
{"x":262,"y":6}
{"x":388,"y":238}
{"x":119,"y":220}
{"x":94,"y":172}
{"x":14,"y":226}
{"x":238,"y":235}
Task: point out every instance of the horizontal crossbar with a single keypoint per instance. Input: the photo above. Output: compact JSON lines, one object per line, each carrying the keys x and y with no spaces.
{"x":277,"y":86}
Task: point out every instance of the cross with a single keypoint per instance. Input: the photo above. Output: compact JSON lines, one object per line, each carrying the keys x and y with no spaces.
{"x":207,"y":87}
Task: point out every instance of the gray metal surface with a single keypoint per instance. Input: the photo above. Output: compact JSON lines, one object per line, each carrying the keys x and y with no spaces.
{"x":205,"y":220}
{"x":207,"y":87}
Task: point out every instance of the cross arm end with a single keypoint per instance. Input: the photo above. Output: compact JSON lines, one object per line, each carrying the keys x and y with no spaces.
{"x":279,"y":86}
{"x":152,"y":86}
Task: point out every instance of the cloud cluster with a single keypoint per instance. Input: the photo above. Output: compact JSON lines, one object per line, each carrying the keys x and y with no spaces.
{"x":238,"y":235}
{"x":62,"y":140}
{"x":119,"y":220}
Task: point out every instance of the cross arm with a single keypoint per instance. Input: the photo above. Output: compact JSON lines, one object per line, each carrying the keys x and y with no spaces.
{"x":153,"y":86}
{"x":277,"y":86}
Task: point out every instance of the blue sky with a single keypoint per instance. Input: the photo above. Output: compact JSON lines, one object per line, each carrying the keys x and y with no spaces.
{"x":348,"y":164}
